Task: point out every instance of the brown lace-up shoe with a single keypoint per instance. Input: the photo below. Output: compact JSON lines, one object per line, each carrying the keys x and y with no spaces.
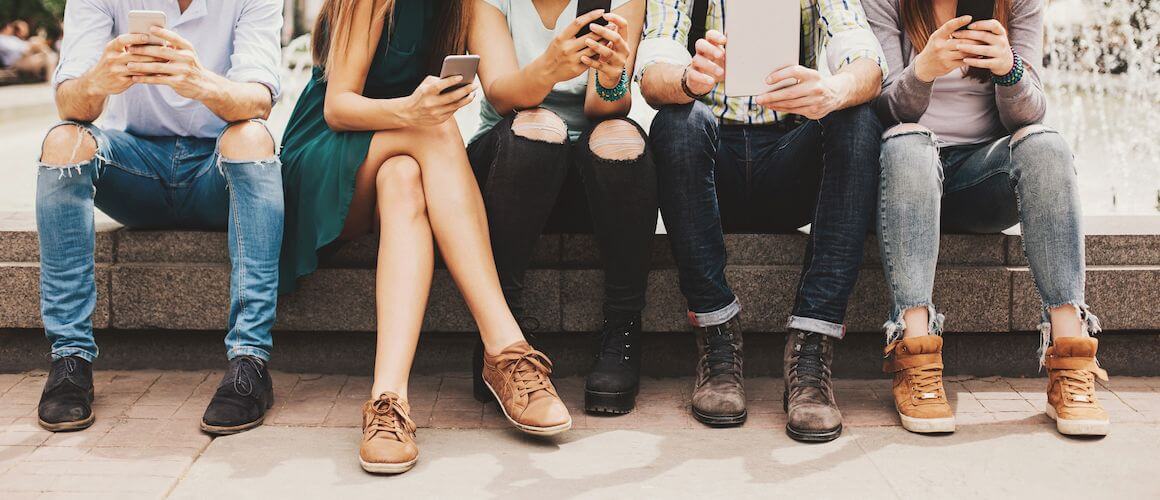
{"x":919,"y":395}
{"x":719,"y":391}
{"x":1071,"y":387}
{"x":518,"y":378}
{"x":811,"y":411}
{"x":388,"y":444}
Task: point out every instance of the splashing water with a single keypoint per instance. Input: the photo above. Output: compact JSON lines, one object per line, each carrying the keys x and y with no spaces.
{"x":1102,"y":77}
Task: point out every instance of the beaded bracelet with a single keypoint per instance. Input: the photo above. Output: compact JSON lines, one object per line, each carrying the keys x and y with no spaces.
{"x":615,"y":93}
{"x":1012,"y":77}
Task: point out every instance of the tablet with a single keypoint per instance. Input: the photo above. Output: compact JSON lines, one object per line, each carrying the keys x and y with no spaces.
{"x":763,"y":36}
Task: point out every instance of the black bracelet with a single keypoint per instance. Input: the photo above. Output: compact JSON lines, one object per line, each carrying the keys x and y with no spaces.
{"x":685,"y":86}
{"x":1012,"y":77}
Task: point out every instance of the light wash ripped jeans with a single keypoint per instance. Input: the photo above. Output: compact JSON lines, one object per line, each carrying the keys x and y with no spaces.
{"x":1026,"y":178}
{"x":158,"y":183}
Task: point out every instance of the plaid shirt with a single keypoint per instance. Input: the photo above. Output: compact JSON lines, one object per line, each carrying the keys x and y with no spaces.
{"x":839,"y":26}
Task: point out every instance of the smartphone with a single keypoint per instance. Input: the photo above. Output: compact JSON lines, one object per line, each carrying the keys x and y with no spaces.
{"x":464,"y":66}
{"x":979,"y":10}
{"x":141,"y":20}
{"x":586,"y":6}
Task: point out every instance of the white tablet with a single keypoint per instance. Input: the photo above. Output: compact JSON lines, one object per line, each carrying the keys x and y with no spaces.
{"x":763,"y":36}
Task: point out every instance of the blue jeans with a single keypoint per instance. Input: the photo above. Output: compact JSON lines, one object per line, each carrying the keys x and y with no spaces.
{"x":980,"y":188}
{"x":156,"y":183}
{"x":743,"y":178}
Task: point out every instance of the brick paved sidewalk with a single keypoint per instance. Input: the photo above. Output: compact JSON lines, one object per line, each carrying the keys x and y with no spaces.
{"x":146,"y":436}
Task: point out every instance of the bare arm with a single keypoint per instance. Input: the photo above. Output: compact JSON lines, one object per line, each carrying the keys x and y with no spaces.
{"x":661,"y":82}
{"x":509,"y":87}
{"x":83,"y":98}
{"x":617,"y":52}
{"x":346,"y":109}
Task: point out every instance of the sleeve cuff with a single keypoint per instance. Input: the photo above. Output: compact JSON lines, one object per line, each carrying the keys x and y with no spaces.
{"x":660,"y":50}
{"x":846,"y":47}
{"x":259,"y":76}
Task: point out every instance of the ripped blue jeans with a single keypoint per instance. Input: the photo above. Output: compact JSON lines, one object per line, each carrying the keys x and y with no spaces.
{"x":1025,"y":178}
{"x":158,"y":183}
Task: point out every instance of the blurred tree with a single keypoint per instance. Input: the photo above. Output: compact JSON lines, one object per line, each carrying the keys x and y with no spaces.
{"x":41,"y":14}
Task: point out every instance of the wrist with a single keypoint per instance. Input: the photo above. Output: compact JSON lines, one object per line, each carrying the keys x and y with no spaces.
{"x":921,"y":70}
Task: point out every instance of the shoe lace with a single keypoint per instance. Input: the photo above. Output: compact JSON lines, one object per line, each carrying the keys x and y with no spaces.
{"x":809,"y":366}
{"x":615,"y":341}
{"x":240,"y":377}
{"x":720,"y":353}
{"x":528,"y":371}
{"x":926,"y":381}
{"x":1079,"y":386}
{"x":389,"y":417}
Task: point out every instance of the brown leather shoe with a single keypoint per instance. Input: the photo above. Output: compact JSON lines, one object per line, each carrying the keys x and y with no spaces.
{"x":388,"y":444}
{"x":518,"y":378}
{"x":1071,"y":387}
{"x":811,"y":411}
{"x":719,"y":391}
{"x":919,"y":395}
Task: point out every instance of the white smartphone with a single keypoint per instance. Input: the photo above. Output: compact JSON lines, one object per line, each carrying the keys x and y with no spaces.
{"x":141,"y":20}
{"x":763,"y":36}
{"x":464,"y":66}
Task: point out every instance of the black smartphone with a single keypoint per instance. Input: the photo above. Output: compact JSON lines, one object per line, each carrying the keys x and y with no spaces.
{"x":979,"y":10}
{"x":586,"y":6}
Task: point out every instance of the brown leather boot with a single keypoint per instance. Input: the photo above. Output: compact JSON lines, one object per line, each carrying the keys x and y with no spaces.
{"x":811,"y":411}
{"x":1071,"y":387}
{"x":919,"y":395}
{"x":388,"y":444}
{"x":719,"y":391}
{"x":518,"y":378}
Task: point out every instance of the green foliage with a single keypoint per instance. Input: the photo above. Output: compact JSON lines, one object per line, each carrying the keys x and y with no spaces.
{"x":41,"y":14}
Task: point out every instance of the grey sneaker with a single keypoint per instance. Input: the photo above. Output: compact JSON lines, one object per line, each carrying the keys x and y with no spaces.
{"x":810,"y":408}
{"x":719,"y":393}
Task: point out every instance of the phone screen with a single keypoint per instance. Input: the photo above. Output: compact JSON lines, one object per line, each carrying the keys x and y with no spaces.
{"x":979,"y":10}
{"x":586,"y":6}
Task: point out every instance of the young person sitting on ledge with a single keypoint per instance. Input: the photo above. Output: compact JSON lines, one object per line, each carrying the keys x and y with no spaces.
{"x":807,"y":153}
{"x":182,"y":145}
{"x":967,"y":154}
{"x":556,"y":152}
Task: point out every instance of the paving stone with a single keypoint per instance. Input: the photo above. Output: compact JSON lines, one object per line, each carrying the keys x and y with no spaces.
{"x":1123,"y":297}
{"x":20,"y":302}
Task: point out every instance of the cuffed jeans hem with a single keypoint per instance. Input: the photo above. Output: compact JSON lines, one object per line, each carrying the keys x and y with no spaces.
{"x":72,"y":351}
{"x":256,"y":352}
{"x":714,"y":318}
{"x":812,"y":325}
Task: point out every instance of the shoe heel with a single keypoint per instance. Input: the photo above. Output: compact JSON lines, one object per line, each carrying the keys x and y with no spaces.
{"x":479,"y":389}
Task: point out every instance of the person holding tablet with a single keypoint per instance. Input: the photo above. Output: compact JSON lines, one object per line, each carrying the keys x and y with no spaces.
{"x":806,"y":152}
{"x":181,"y":145}
{"x":966,"y":153}
{"x":555,"y":151}
{"x":372,"y":146}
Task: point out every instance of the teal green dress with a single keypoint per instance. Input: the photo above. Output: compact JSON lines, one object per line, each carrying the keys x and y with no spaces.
{"x":319,"y":164}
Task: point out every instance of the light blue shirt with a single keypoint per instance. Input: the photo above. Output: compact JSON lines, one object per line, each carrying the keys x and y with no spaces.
{"x":238,"y":39}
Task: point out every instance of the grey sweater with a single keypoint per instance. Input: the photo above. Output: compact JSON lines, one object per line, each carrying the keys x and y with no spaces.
{"x":905,"y":98}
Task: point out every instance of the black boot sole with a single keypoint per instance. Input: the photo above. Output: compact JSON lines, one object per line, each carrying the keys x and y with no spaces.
{"x":74,"y":425}
{"x":610,"y":403}
{"x":813,"y":436}
{"x":226,"y":430}
{"x":720,"y":420}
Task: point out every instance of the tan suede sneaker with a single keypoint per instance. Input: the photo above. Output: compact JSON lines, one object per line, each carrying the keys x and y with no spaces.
{"x":919,"y":395}
{"x":1071,"y":387}
{"x":388,"y":444}
{"x":518,"y":378}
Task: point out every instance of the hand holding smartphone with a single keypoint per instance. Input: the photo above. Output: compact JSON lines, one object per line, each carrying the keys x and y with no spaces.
{"x":465,"y":66}
{"x":140,"y":21}
{"x":979,"y":10}
{"x":586,"y":6}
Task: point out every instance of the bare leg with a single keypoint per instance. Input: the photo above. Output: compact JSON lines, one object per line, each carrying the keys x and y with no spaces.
{"x":1065,"y":322}
{"x":917,"y":321}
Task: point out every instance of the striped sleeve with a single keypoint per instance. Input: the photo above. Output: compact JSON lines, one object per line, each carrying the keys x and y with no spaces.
{"x":666,"y":34}
{"x":847,"y":35}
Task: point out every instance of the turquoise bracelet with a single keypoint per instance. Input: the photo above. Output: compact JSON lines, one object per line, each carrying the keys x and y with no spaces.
{"x":615,"y":93}
{"x":1012,"y":77}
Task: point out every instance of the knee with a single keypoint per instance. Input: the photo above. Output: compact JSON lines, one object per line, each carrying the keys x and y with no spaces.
{"x":399,"y":183}
{"x":909,"y":158}
{"x":68,"y":144}
{"x":1041,"y":150}
{"x":539,"y":124}
{"x":903,"y":129}
{"x":246,"y":141}
{"x":617,"y":139}
{"x":684,"y":119}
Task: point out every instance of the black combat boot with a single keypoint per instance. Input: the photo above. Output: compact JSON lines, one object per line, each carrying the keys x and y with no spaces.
{"x":811,"y":411}
{"x":67,"y":401}
{"x":614,"y":381}
{"x":242,"y":398}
